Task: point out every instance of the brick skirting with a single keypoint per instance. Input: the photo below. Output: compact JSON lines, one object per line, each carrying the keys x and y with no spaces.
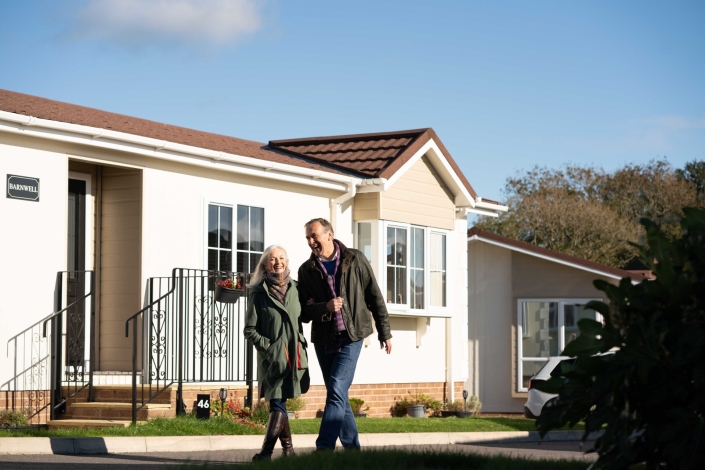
{"x":379,"y":397}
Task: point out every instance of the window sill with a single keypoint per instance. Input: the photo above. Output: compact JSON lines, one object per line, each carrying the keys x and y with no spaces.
{"x":407,"y":312}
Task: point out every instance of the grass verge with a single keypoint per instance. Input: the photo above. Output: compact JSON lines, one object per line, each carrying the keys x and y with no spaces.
{"x":190,"y":426}
{"x":400,"y":460}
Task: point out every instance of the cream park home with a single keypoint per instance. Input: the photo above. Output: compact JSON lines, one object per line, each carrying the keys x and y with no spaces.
{"x":115,"y":227}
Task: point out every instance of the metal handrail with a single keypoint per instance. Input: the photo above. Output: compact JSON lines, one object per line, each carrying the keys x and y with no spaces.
{"x":55,"y":314}
{"x":133,"y":319}
{"x":32,"y":337}
{"x":184,"y":331}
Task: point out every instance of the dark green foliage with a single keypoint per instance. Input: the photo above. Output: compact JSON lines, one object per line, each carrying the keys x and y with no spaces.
{"x":649,"y":394}
{"x":11,"y":419}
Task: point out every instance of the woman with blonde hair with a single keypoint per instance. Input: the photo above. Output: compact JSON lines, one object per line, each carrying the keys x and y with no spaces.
{"x":272,"y":325}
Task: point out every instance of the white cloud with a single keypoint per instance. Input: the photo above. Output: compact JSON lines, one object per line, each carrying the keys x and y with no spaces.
{"x":660,"y":134}
{"x":140,"y":23}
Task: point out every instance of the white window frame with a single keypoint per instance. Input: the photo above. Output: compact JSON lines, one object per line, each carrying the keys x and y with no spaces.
{"x":379,"y":264}
{"x":562,"y":302}
{"x":230,"y":202}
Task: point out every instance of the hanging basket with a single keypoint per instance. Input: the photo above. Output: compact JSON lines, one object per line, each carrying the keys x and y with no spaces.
{"x":226,"y":295}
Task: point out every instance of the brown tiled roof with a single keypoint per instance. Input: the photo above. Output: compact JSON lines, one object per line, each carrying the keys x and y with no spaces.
{"x":43,"y":108}
{"x":378,"y":155}
{"x":636,"y":276}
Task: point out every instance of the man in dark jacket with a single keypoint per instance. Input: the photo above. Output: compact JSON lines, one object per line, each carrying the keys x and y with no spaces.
{"x":340,"y":296}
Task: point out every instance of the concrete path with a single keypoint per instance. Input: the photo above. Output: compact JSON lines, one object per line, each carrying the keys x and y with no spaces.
{"x":140,"y":445}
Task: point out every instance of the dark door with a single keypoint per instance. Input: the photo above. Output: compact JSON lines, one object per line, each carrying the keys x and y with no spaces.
{"x":76,"y":279}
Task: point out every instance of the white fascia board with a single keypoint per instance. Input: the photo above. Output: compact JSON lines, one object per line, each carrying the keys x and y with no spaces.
{"x":480,"y":204}
{"x":103,"y":138}
{"x":548,"y":258}
{"x":481,"y":212}
{"x":462,"y":196}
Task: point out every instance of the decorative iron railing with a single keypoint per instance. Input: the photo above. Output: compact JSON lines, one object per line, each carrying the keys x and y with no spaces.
{"x":53,"y":358}
{"x":184,"y":335}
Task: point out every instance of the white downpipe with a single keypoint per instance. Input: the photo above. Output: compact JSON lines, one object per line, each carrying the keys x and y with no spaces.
{"x":104,"y":138}
{"x":449,"y":360}
{"x":335,"y":204}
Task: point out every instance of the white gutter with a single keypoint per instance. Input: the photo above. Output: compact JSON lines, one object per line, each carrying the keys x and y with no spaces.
{"x":486,"y":205}
{"x":484,"y":208}
{"x":547,"y":258}
{"x":104,"y":138}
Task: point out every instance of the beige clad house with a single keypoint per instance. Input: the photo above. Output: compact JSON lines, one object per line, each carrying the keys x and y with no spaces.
{"x":115,"y":218}
{"x":524,"y":303}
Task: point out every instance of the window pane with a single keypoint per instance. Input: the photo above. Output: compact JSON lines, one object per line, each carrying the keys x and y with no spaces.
{"x":438,"y":270}
{"x":364,"y":239}
{"x":226,"y":260}
{"x":573,"y":314}
{"x":391,"y":291}
{"x":400,"y":248}
{"x":529,"y":369}
{"x":242,"y":262}
{"x":212,"y":226}
{"x":256,"y":229}
{"x":417,"y":285}
{"x":540,"y":340}
{"x":226,"y":227}
{"x":400,"y":286}
{"x":243,"y":228}
{"x":417,"y":247}
{"x":390,"y":245}
{"x":212,"y":260}
{"x":438,"y":289}
{"x":254,"y":259}
{"x":438,"y":252}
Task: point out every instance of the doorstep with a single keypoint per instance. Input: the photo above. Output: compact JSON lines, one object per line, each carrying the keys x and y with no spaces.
{"x":125,"y":445}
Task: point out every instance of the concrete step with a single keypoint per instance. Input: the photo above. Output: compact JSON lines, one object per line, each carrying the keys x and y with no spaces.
{"x":116,"y":411}
{"x":87,"y":423}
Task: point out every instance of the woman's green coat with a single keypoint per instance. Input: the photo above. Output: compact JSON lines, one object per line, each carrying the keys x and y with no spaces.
{"x":276,"y":333}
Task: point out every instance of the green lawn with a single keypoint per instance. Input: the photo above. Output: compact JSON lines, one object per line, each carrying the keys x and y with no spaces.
{"x":190,"y":426}
{"x":400,"y":460}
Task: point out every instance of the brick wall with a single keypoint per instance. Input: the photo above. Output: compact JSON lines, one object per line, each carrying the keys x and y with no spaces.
{"x":379,"y":397}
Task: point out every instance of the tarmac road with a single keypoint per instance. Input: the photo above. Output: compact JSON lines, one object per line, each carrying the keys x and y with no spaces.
{"x":164,"y":460}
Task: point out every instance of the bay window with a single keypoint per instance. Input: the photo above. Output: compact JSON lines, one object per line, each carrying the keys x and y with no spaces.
{"x":544,"y":328}
{"x":412,"y":265}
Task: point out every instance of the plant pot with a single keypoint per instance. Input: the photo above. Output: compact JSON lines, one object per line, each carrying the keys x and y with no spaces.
{"x":227,"y":296}
{"x":360,"y":415}
{"x":416,"y":411}
{"x":448,"y":413}
{"x":290,"y":414}
{"x":463,"y":414}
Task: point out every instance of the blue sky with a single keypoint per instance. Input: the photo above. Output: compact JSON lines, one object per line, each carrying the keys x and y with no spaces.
{"x":506,"y":85}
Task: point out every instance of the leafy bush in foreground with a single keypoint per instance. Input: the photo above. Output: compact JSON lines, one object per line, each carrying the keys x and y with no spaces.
{"x":649,"y":396}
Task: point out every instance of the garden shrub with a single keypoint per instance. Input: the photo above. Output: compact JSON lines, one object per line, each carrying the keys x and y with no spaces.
{"x":13,"y":419}
{"x":648,"y":396}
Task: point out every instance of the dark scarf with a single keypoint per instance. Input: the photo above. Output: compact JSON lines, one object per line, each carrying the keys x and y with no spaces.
{"x":278,"y":283}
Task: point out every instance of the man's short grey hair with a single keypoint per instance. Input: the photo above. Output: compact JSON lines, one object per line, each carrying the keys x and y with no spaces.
{"x":324,"y":223}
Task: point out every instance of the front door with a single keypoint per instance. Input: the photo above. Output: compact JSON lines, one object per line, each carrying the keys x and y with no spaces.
{"x":76,"y":278}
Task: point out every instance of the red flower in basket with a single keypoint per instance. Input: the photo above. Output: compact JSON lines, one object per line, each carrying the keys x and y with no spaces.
{"x":230,"y":284}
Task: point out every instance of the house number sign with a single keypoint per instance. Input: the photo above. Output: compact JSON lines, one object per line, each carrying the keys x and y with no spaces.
{"x":23,"y":187}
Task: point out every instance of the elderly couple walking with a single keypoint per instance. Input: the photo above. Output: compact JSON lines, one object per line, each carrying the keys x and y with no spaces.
{"x":338,"y":293}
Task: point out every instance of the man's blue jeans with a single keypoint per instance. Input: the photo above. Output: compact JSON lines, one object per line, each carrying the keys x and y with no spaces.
{"x":338,"y":420}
